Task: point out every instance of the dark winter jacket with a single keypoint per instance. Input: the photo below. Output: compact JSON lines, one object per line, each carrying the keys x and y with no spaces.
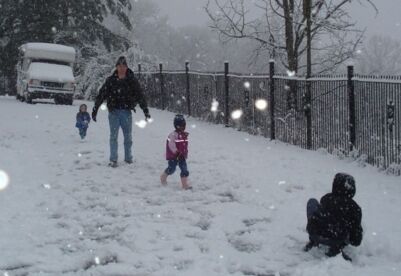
{"x":121,"y":93}
{"x":83,"y":120}
{"x":339,"y":216}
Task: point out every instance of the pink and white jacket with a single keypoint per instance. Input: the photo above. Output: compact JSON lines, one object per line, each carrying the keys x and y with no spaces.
{"x":177,"y":144}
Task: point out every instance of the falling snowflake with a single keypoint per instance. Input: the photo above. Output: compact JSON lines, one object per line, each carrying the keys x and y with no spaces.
{"x":97,"y":261}
{"x":272,"y":207}
{"x":221,"y":257}
{"x":291,"y":73}
{"x":215,"y":106}
{"x":4,"y":180}
{"x":179,"y":102}
{"x":282,"y":183}
{"x":37,"y":117}
{"x":359,"y":51}
{"x":54,"y":29}
{"x":193,"y":126}
{"x":103,"y":107}
{"x":287,"y":87}
{"x":47,"y":186}
{"x":141,"y":124}
{"x":247,"y":85}
{"x":261,"y":104}
{"x":237,"y":114}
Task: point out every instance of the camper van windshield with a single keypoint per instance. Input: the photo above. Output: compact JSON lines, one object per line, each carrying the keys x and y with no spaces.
{"x":51,"y":61}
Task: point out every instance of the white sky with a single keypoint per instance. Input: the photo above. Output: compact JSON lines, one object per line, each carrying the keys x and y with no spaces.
{"x":388,"y":21}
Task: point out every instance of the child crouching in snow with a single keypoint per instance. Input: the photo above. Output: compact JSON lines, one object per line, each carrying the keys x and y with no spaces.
{"x":83,"y":120}
{"x":177,"y":152}
{"x":335,"y":221}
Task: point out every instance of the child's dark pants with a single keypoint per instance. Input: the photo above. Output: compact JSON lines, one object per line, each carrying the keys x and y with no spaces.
{"x":172,"y":166}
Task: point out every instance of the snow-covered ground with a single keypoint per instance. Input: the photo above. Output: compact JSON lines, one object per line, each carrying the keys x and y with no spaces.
{"x":66,"y":213}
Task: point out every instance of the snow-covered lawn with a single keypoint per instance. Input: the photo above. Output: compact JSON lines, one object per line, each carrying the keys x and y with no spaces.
{"x":66,"y":213}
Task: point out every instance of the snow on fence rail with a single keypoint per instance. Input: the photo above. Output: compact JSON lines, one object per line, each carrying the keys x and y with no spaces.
{"x":348,"y":115}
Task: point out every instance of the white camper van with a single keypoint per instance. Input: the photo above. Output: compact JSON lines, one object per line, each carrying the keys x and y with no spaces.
{"x":45,"y":71}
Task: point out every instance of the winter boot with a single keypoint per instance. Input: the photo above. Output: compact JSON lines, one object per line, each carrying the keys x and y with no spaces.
{"x":113,"y":164}
{"x":184,"y":183}
{"x":309,"y":246}
{"x":333,"y":251}
{"x":163,"y":178}
{"x":346,"y":257}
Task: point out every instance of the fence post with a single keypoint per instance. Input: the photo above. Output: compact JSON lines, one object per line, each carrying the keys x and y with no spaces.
{"x":163,"y":98}
{"x":139,"y":70}
{"x":351,"y":101}
{"x":188,"y":92}
{"x":272,"y":102}
{"x":308,"y":113}
{"x":227,"y":92}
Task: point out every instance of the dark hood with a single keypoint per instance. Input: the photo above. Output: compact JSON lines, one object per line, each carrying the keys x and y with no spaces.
{"x":344,"y":185}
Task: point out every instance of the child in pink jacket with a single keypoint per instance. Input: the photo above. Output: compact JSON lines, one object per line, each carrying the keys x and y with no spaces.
{"x":177,"y":152}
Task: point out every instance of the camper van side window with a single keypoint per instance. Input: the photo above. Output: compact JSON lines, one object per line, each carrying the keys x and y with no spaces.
{"x":50,"y":61}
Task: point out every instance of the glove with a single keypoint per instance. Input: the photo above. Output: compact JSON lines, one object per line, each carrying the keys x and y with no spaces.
{"x":147,"y":114}
{"x":94,"y":115}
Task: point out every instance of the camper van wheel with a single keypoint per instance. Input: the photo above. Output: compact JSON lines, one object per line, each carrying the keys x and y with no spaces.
{"x":68,"y":101}
{"x":28,"y":99}
{"x":59,"y":100}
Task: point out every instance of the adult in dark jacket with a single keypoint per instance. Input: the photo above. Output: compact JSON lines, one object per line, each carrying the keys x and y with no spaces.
{"x":336,"y":221}
{"x":122,"y":92}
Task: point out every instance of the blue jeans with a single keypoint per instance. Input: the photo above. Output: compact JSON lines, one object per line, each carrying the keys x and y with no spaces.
{"x":312,"y":207}
{"x":82,"y":132}
{"x":120,"y":118}
{"x":172,"y":166}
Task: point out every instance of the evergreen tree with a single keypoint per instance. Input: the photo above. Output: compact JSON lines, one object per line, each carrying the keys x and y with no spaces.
{"x":72,"y":22}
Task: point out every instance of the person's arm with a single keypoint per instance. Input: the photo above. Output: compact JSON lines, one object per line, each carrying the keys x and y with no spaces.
{"x":356,"y":232}
{"x":172,"y":142}
{"x":101,"y":97}
{"x":140,"y":98}
{"x":88,"y":117}
{"x":78,"y":121}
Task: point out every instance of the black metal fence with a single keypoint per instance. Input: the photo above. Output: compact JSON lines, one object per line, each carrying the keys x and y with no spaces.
{"x":347,"y":115}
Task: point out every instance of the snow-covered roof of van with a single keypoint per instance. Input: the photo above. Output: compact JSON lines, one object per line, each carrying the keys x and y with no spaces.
{"x":49,"y":51}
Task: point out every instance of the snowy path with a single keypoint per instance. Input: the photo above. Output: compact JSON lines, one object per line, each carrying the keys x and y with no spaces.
{"x":66,"y":213}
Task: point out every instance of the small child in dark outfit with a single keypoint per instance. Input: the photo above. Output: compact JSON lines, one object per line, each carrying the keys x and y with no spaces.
{"x":336,"y":220}
{"x":177,"y":152}
{"x":83,"y":120}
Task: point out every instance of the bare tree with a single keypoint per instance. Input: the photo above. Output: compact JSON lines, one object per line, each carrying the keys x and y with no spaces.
{"x":380,"y":55}
{"x":279,"y":27}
